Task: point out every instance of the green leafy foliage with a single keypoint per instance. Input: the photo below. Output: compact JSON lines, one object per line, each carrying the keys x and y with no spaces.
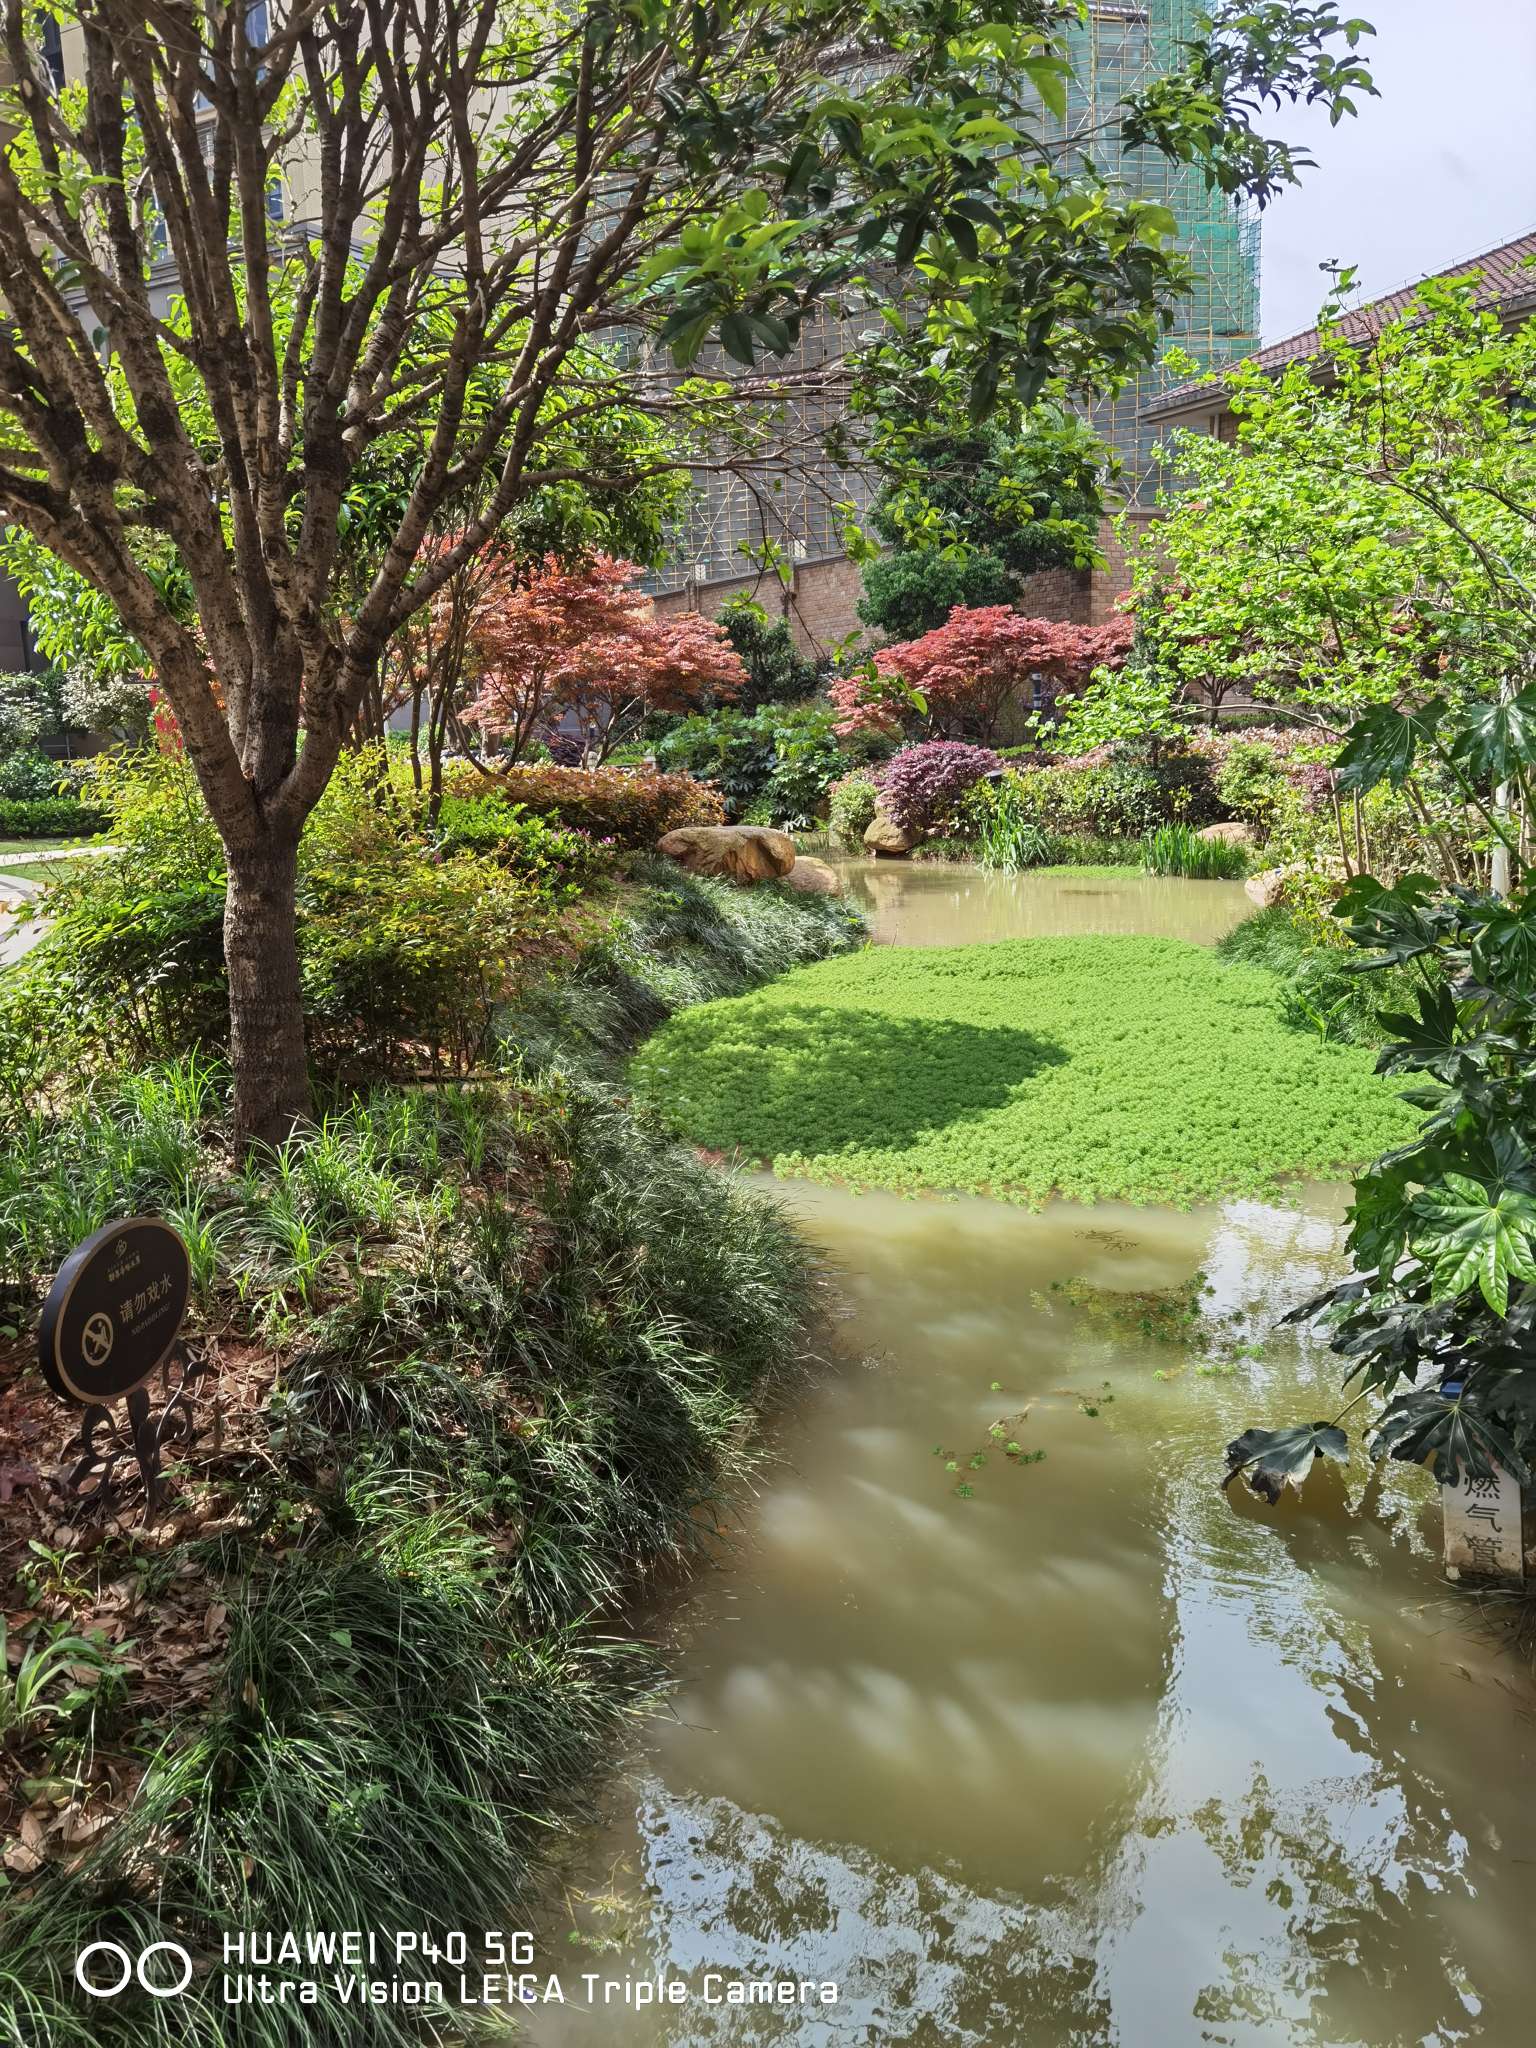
{"x":1365,"y":549}
{"x":521,"y":1372}
{"x":851,"y":809}
{"x":1274,"y":1459}
{"x":50,"y":817}
{"x":913,"y":591}
{"x":1179,"y":850}
{"x":777,"y":672}
{"x":1437,"y":1320}
{"x":784,"y":757}
{"x":1095,"y":1068}
{"x":1024,"y":489}
{"x":410,"y":939}
{"x":1468,"y":1235}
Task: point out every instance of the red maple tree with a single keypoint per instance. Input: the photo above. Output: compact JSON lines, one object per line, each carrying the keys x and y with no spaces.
{"x":583,"y":640}
{"x":968,"y":671}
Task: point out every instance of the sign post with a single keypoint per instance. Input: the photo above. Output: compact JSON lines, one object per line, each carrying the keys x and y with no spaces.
{"x":110,"y":1323}
{"x":1484,"y":1534}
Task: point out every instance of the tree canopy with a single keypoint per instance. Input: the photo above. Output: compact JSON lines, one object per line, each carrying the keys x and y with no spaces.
{"x":501,"y":250}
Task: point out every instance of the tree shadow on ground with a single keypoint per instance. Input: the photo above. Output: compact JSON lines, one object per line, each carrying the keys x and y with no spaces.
{"x":815,"y":1078}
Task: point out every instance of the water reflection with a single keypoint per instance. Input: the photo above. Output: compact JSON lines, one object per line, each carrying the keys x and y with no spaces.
{"x":920,"y":904}
{"x":1079,"y":1755}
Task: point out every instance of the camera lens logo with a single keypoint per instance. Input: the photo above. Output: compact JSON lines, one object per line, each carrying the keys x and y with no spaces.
{"x":111,"y":1977}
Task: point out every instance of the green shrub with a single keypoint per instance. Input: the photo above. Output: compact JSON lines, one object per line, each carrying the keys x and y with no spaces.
{"x":406,"y":949}
{"x":1118,"y":799}
{"x":1321,"y":989}
{"x":1179,"y":850}
{"x":26,"y":776}
{"x":627,"y":809}
{"x":1252,"y":785}
{"x":777,"y":672}
{"x":732,"y":751}
{"x":852,"y":809}
{"x":910,"y":592}
{"x":50,"y":817}
{"x":561,"y":862}
{"x":784,"y":756}
{"x":405,"y":958}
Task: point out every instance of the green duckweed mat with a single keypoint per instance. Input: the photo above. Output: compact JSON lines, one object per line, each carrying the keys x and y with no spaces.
{"x":1133,"y":1069}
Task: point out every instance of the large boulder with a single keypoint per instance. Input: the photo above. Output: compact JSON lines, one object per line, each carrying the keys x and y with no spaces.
{"x":813,"y":878}
{"x":882,"y":835}
{"x":1268,"y":889}
{"x":1234,"y":832}
{"x":737,"y":853}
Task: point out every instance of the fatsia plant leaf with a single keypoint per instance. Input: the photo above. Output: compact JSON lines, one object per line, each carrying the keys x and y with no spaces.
{"x":1456,"y":1438}
{"x":1276,"y":1458}
{"x":1427,"y":1043}
{"x":1471,"y":1237}
{"x":1383,"y":745}
{"x":1492,"y":741}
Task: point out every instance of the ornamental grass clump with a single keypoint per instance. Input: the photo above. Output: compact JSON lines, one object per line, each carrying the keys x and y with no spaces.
{"x":1009,"y":834}
{"x":1179,"y":850}
{"x":487,"y":1358}
{"x":1133,"y":1069}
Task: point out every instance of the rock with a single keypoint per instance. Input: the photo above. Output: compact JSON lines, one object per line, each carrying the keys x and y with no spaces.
{"x":882,"y":835}
{"x":813,"y":878}
{"x":738,"y":853}
{"x":1268,"y":888}
{"x":1234,"y":832}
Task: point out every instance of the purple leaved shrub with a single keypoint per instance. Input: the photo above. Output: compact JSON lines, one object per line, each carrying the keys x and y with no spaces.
{"x":920,"y":786}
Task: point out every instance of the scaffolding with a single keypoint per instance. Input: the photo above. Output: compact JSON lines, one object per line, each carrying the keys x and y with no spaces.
{"x":1114,"y":50}
{"x":1117,"y":49}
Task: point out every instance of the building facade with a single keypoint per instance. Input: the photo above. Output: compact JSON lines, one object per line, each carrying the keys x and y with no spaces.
{"x":1115,"y":49}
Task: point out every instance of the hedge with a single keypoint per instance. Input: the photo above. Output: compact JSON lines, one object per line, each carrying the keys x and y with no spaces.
{"x":49,"y":817}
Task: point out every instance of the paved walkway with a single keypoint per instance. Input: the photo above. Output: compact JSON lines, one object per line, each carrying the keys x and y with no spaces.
{"x":19,"y":935}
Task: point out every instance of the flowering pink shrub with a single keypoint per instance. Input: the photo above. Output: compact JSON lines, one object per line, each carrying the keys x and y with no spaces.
{"x":920,"y":786}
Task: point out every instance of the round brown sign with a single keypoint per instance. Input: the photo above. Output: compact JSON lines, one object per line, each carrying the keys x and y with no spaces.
{"x":114,"y":1311}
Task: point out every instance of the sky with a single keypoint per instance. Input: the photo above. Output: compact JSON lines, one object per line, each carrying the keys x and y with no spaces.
{"x":1441,"y":166}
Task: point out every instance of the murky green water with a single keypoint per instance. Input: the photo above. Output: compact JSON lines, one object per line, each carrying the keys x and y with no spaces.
{"x":1066,"y":1750}
{"x":917,"y":904}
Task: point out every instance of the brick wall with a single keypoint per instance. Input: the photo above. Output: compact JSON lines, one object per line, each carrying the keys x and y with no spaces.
{"x":1112,"y":581}
{"x":819,"y":603}
{"x":1064,"y":594}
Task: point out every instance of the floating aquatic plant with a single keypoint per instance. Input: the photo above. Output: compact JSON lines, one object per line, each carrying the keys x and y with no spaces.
{"x":1134,"y":1069}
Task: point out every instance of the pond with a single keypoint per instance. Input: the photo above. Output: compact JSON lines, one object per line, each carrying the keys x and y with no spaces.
{"x":1000,"y":1716}
{"x":912,"y":903}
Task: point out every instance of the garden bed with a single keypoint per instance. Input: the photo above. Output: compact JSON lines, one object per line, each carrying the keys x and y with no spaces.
{"x":483,"y":1360}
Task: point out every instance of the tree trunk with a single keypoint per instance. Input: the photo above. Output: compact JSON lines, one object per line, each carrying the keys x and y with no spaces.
{"x":266,"y":1017}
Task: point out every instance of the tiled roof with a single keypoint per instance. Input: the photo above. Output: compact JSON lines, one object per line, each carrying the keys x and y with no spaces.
{"x":1506,"y":278}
